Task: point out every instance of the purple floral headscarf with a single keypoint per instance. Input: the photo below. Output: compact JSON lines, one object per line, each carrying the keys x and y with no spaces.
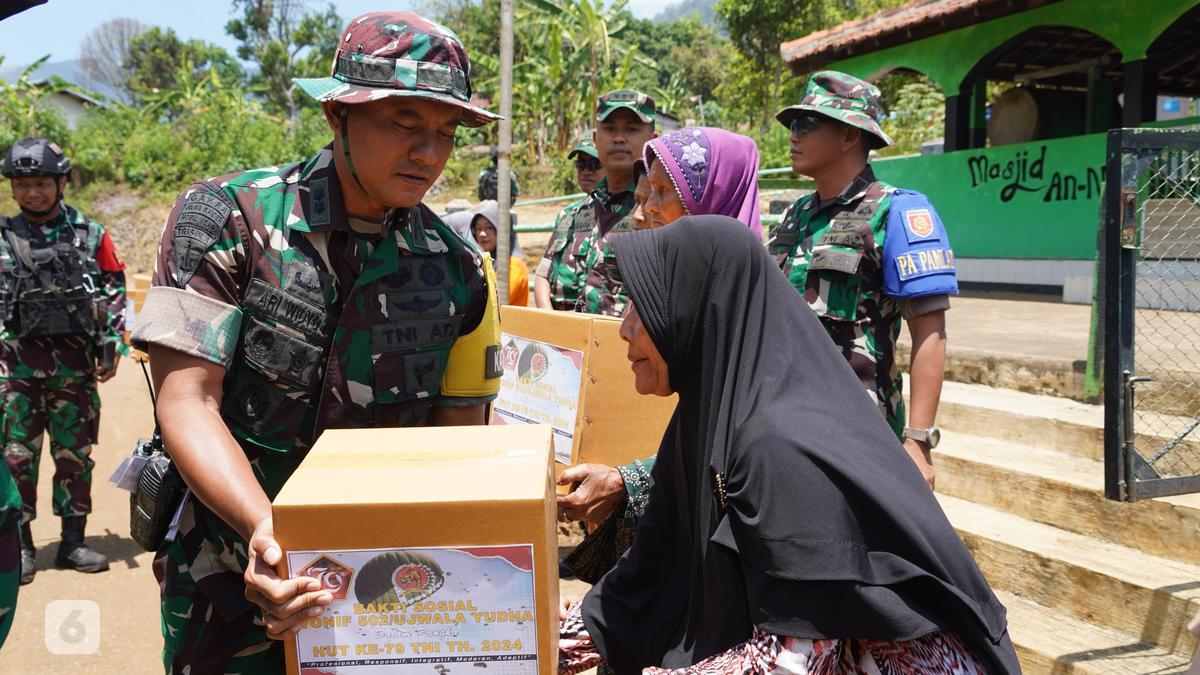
{"x":714,"y":171}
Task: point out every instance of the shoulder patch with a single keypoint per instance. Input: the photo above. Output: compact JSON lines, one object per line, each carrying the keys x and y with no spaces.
{"x":318,"y":200}
{"x":918,"y":259}
{"x":197,"y":228}
{"x":919,"y":222}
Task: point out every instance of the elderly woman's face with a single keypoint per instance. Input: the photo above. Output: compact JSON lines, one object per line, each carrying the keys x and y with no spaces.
{"x":650,"y":376}
{"x":640,"y":194}
{"x":663,"y":205}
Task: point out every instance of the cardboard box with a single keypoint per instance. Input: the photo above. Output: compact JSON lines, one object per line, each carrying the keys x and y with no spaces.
{"x":439,"y":544}
{"x":136,"y":286}
{"x":613,"y":424}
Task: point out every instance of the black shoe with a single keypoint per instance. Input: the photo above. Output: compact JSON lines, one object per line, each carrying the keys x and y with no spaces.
{"x":28,"y":556}
{"x":73,"y":553}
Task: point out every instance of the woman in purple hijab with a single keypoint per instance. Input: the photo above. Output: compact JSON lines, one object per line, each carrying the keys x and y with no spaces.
{"x":702,"y":171}
{"x":691,"y":172}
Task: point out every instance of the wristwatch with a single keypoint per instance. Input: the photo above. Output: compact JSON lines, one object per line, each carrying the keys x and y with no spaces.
{"x":931,"y":436}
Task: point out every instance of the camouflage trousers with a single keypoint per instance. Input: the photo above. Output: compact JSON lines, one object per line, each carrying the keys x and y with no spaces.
{"x":10,"y":551}
{"x":197,"y":638}
{"x":69,"y":407}
{"x":10,"y":577}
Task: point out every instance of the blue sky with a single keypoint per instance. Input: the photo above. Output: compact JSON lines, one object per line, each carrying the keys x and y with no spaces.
{"x":58,"y":27}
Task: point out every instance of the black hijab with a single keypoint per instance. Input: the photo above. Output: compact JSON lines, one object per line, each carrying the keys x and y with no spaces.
{"x":828,"y":531}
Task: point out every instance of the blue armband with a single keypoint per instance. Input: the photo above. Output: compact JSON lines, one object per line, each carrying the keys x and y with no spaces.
{"x":917,"y":258}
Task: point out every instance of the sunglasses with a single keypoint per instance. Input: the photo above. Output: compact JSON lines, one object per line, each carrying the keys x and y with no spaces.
{"x":587,"y":165}
{"x":805,"y":124}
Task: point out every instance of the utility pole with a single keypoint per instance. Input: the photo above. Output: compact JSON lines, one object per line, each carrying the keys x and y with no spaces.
{"x":504,"y":152}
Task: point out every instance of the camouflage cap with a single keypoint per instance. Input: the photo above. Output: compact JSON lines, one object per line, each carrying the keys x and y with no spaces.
{"x":641,"y":104}
{"x":844,"y":98}
{"x":585,"y":146}
{"x":384,"y":54}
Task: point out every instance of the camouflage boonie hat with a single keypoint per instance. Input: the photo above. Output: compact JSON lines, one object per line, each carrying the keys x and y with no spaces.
{"x":585,"y":146}
{"x":641,"y":104}
{"x":844,"y":98}
{"x":384,"y":54}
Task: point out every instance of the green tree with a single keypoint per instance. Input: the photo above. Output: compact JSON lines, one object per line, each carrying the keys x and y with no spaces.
{"x":916,"y":115}
{"x":155,"y":56}
{"x":688,"y":59}
{"x":285,"y":39}
{"x":214,"y":130}
{"x":703,"y":59}
{"x":588,"y":28}
{"x":757,"y":29}
{"x":760,"y":81}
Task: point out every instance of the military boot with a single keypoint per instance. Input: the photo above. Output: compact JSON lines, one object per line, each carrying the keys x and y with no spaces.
{"x":28,"y":555}
{"x":73,"y":553}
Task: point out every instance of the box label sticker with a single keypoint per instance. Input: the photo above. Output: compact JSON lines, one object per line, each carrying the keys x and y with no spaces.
{"x":407,"y":610}
{"x":540,"y":385}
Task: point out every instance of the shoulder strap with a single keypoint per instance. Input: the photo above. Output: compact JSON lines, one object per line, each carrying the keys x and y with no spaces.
{"x":869,"y":207}
{"x":20,"y":248}
{"x":89,"y":233}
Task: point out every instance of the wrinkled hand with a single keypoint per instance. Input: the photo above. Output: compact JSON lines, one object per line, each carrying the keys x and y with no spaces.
{"x":923,"y":458}
{"x":285,"y":603}
{"x":596,"y":491}
{"x":105,"y":374}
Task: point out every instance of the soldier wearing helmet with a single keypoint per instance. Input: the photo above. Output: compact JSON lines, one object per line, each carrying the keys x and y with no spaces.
{"x":62,"y":296}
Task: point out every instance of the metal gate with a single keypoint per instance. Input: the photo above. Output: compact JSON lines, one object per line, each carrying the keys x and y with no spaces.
{"x":1150,"y":307}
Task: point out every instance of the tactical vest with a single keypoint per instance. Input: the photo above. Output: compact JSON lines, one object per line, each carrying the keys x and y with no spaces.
{"x":565,"y":278}
{"x":51,"y":289}
{"x":276,"y":390}
{"x":843,"y":258}
{"x":489,"y":187}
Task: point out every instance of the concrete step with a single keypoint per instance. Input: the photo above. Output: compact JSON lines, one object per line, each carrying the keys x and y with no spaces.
{"x":1097,"y":582}
{"x":1037,"y":374}
{"x":1065,"y":491}
{"x":1049,"y":641}
{"x":1049,"y":422}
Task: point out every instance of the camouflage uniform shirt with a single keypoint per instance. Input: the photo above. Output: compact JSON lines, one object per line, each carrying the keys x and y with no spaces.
{"x":604,"y":290}
{"x":559,"y":266}
{"x":832,"y":252}
{"x":322,"y":322}
{"x":70,"y":355}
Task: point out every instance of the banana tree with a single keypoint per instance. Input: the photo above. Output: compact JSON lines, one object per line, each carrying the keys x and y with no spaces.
{"x":587,"y":27}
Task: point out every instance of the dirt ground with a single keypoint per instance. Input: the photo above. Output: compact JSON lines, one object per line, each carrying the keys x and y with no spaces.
{"x":127,"y":595}
{"x":130,"y":639}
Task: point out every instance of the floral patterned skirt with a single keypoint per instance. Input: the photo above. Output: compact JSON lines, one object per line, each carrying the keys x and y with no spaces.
{"x":941,"y":653}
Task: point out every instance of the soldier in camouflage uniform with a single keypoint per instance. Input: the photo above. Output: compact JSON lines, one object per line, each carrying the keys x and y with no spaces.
{"x":62,"y":290}
{"x":556,"y":284}
{"x":488,"y":188}
{"x":318,"y":295}
{"x":624,"y":122}
{"x":588,"y":169}
{"x":865,"y":254}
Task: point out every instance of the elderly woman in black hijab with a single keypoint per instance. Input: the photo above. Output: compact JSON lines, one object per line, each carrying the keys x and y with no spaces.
{"x":787,"y":531}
